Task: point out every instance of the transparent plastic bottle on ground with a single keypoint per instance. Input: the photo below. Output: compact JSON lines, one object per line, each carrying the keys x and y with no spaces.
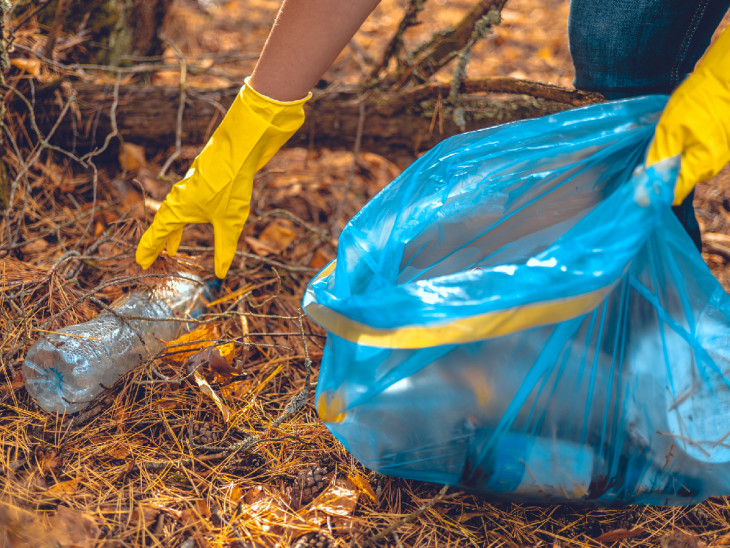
{"x":66,"y":370}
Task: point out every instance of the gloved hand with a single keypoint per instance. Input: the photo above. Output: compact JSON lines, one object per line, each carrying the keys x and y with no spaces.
{"x":696,"y":121}
{"x":217,"y":187}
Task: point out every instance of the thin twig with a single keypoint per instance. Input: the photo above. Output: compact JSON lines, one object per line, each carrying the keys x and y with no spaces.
{"x":58,"y":20}
{"x":443,"y":46}
{"x":395,"y":45}
{"x":299,"y":401}
{"x":271,"y":262}
{"x":335,"y":226}
{"x":180,"y":108}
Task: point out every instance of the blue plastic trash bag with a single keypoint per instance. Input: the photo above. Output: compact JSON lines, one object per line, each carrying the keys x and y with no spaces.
{"x":520,"y":314}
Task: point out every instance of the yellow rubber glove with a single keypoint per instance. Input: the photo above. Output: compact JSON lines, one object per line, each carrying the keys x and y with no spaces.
{"x":217,"y":187}
{"x":696,"y":121}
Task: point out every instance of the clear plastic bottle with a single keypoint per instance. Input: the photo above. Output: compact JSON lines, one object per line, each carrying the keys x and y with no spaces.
{"x":65,"y":370}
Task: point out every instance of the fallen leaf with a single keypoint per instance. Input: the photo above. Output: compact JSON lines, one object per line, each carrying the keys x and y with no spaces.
{"x":36,"y":246}
{"x":166,"y":404}
{"x":211,"y":363}
{"x":255,"y":494}
{"x":238,"y":389}
{"x":17,"y":383}
{"x":31,"y":66}
{"x":132,"y":157}
{"x":65,"y":488}
{"x":320,"y":259}
{"x":235,"y":493}
{"x":619,"y":534}
{"x":98,"y":229}
{"x":259,"y":248}
{"x":278,"y":235}
{"x":118,"y":452}
{"x":154,"y":188}
{"x":724,"y":540}
{"x":182,"y":348}
{"x":74,"y":528}
{"x":144,"y":514}
{"x":50,"y":462}
{"x":206,"y":389}
{"x":274,"y":239}
{"x":678,"y":539}
{"x":363,"y":485}
{"x":338,"y":501}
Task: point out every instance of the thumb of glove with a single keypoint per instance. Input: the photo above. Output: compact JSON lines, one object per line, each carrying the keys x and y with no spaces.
{"x":153,"y":242}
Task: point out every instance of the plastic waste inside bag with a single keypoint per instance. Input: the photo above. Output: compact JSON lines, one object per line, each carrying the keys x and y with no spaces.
{"x":66,"y":370}
{"x":520,"y":314}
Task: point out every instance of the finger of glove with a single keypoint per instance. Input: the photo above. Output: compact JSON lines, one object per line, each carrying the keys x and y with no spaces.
{"x":226,"y":235}
{"x":153,"y":241}
{"x":173,"y":241}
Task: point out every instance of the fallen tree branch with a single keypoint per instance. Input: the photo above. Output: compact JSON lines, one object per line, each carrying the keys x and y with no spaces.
{"x":502,"y":84}
{"x":397,"y":122}
{"x":443,"y":46}
{"x":395,"y":44}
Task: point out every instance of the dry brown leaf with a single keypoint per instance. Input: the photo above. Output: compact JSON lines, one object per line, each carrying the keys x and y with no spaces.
{"x":211,"y":363}
{"x":337,"y":501}
{"x":619,"y":534}
{"x":144,"y":514}
{"x":154,"y":188}
{"x":118,"y":452}
{"x":724,"y":540}
{"x":98,"y":229}
{"x":17,"y":383}
{"x":678,"y":539}
{"x":320,"y":259}
{"x":206,"y":389}
{"x":132,"y":157}
{"x":191,"y":517}
{"x":238,"y":389}
{"x":363,"y":485}
{"x":274,"y":239}
{"x":235,"y":493}
{"x":31,"y":66}
{"x":50,"y":462}
{"x":167,"y":404}
{"x":182,"y":348}
{"x":73,"y":528}
{"x":36,"y":246}
{"x":259,"y":248}
{"x":68,"y":488}
{"x":278,"y":234}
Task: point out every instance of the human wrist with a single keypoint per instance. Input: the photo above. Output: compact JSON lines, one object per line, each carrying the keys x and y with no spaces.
{"x":270,"y":97}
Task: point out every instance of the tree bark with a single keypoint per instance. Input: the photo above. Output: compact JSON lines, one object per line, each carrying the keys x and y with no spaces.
{"x":395,"y":123}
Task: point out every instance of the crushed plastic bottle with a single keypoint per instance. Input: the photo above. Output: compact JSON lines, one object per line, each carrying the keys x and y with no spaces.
{"x":66,"y":370}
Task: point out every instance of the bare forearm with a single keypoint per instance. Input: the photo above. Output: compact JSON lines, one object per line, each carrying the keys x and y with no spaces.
{"x":304,"y":42}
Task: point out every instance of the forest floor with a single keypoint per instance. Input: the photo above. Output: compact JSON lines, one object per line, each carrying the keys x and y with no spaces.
{"x":158,"y":461}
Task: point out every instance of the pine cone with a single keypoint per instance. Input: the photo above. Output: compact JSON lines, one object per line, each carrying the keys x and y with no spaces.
{"x":315,"y":540}
{"x":309,"y":484}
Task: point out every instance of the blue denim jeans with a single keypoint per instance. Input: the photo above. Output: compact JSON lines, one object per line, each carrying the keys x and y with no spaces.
{"x":624,"y":48}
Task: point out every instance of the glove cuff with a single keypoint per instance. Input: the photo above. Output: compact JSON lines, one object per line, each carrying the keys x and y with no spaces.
{"x":269,"y":100}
